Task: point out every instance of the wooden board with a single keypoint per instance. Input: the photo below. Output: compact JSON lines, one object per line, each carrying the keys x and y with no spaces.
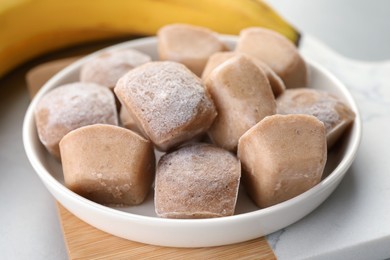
{"x":86,"y":242}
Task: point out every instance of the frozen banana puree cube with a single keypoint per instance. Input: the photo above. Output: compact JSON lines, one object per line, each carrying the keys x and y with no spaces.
{"x":128,"y":121}
{"x":71,"y":106}
{"x":242,"y":96}
{"x":218,"y":58}
{"x":215,"y":60}
{"x":189,"y":45}
{"x":197,"y":181}
{"x":282,"y":156}
{"x":168,"y":102}
{"x":108,"y":164}
{"x":277,"y":52}
{"x":329,"y":109}
{"x":107,"y":67}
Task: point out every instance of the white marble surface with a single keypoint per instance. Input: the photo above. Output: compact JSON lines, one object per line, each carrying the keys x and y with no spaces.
{"x":29,"y":224}
{"x":352,"y":224}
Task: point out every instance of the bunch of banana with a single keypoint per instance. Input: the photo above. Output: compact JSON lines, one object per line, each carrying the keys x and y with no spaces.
{"x":29,"y":28}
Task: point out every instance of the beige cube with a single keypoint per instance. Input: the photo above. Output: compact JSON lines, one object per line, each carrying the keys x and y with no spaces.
{"x":197,"y":181}
{"x":128,"y":121}
{"x":282,"y":156}
{"x":189,"y":45}
{"x":218,"y":58}
{"x":108,"y":164}
{"x":69,"y":107}
{"x":242,"y":95}
{"x":167,"y":101}
{"x":277,"y":52}
{"x":329,"y":109}
{"x":106,"y":68}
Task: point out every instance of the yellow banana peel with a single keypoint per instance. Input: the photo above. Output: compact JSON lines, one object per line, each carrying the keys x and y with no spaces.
{"x":29,"y":28}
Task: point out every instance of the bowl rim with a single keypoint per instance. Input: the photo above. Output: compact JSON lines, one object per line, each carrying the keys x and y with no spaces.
{"x":48,"y":179}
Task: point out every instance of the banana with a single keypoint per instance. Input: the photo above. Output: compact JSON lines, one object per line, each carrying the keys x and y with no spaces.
{"x":29,"y":28}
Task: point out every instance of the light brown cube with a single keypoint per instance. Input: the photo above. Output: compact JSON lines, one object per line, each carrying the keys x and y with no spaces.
{"x":218,"y":58}
{"x":242,"y":95}
{"x":282,"y":156}
{"x":69,"y":107}
{"x":189,"y":45}
{"x":197,"y":181}
{"x":277,"y":52}
{"x":329,"y":109}
{"x":108,"y":164}
{"x":167,"y":101}
{"x":106,"y":68}
{"x":128,"y":121}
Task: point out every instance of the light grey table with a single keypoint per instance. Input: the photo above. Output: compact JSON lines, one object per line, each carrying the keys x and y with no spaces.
{"x":29,"y":225}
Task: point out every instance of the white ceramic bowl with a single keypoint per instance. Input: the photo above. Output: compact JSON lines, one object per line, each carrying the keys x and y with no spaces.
{"x":140,"y":223}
